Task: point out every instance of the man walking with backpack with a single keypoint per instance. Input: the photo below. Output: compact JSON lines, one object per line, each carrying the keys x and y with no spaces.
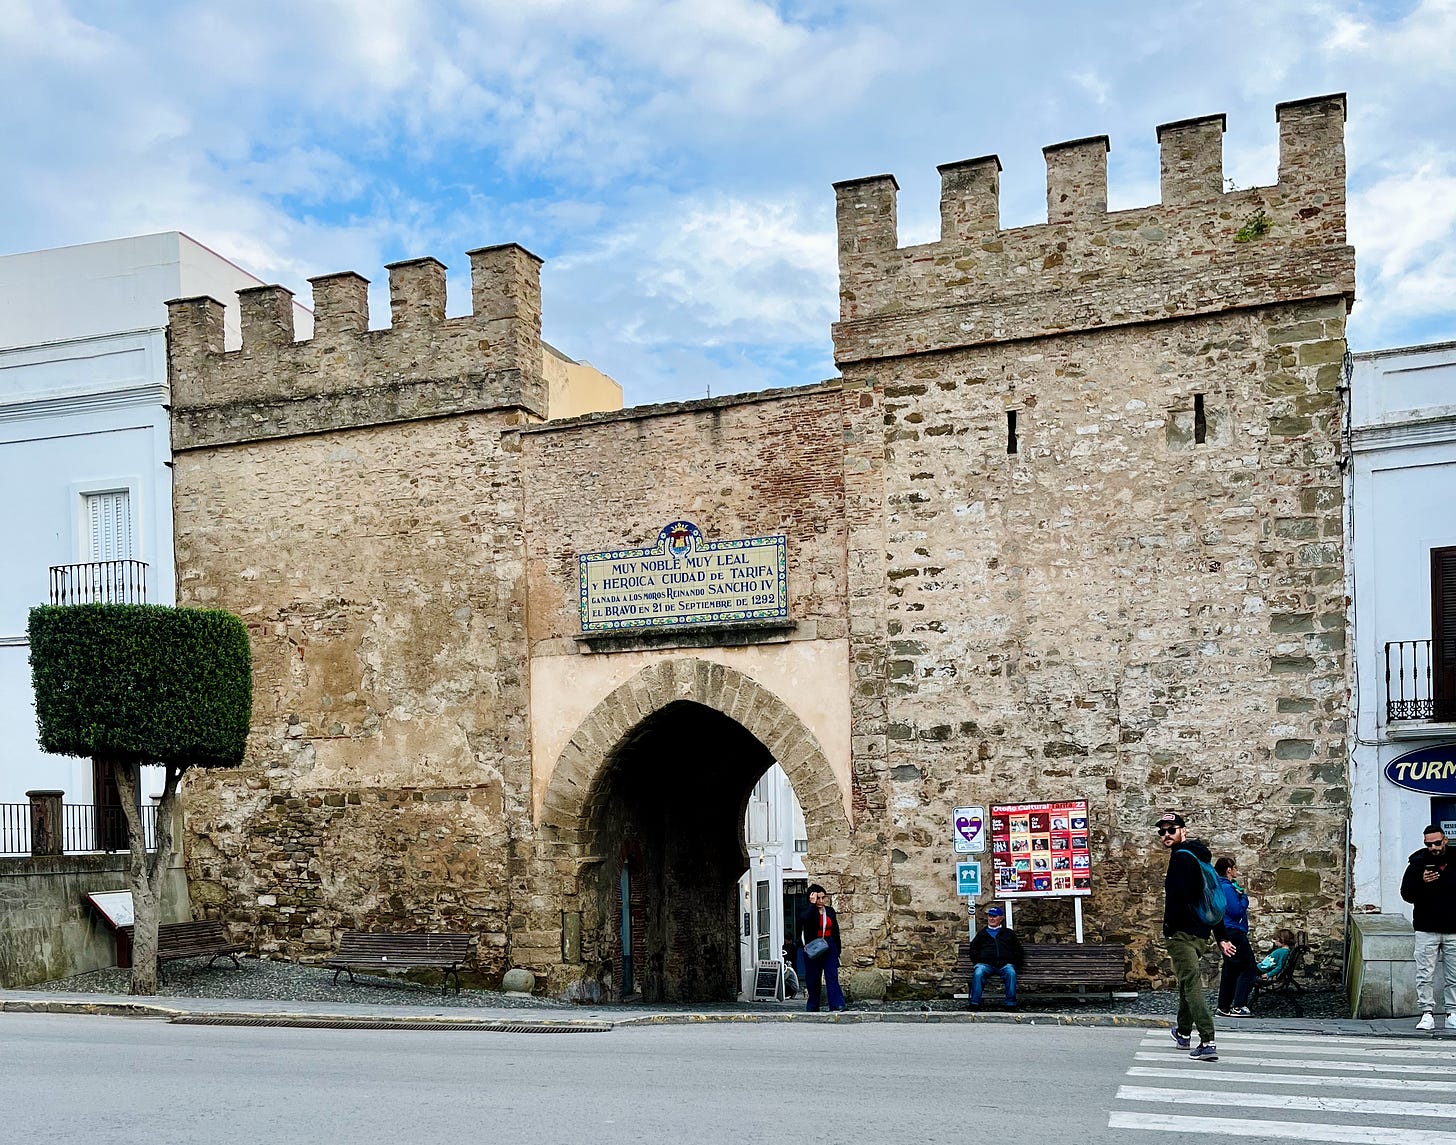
{"x":1192,"y":912}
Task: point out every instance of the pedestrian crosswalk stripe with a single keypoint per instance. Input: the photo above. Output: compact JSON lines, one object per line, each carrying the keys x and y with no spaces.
{"x":1246,"y":1034}
{"x":1318,"y":1063}
{"x":1369,"y":1107}
{"x":1298,"y":1130}
{"x":1197,"y":1070}
{"x":1312,"y":1046}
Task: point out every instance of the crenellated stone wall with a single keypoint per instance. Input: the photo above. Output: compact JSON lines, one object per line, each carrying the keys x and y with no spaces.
{"x":1068,"y":526}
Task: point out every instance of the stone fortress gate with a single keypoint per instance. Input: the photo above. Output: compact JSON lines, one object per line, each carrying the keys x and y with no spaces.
{"x":1068,"y":525}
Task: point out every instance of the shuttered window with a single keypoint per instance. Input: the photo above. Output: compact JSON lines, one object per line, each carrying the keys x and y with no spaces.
{"x":1443,"y":632}
{"x":108,"y":525}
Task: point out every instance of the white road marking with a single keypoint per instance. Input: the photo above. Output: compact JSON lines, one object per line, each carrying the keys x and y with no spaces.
{"x":1315,"y":1045}
{"x":1370,"y":1107}
{"x":1318,"y":1063}
{"x":1195,"y":1070}
{"x":1295,"y":1130}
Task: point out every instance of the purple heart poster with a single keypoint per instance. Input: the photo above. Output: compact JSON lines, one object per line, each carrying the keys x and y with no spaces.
{"x":968,"y":830}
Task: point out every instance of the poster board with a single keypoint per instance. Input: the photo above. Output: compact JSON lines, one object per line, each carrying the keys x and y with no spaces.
{"x":1040,"y":850}
{"x":767,"y":981}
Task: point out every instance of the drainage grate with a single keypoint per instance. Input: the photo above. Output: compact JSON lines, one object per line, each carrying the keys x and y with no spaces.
{"x":389,"y":1024}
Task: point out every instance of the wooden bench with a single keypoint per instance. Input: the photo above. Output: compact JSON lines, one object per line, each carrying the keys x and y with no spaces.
{"x":1061,"y":967}
{"x":363,"y":951}
{"x":1285,"y":983}
{"x":205,"y":938}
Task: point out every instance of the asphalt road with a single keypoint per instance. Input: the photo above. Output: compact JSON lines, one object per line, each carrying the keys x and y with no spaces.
{"x":86,"y":1079}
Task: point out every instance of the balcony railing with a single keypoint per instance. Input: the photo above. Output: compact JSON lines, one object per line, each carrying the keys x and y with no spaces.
{"x":100,"y":582}
{"x":84,"y":829}
{"x":1411,"y":684}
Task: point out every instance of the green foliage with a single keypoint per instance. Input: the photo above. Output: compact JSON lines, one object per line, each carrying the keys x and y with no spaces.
{"x":1256,"y":226}
{"x":142,"y":683}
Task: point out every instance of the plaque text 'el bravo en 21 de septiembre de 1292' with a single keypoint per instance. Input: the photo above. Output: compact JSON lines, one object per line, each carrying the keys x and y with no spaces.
{"x":683,"y":579}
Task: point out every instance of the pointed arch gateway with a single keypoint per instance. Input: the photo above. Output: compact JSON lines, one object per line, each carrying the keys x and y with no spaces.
{"x":647,"y":800}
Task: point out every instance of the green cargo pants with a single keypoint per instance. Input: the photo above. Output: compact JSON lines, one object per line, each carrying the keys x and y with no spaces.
{"x":1186,"y":951}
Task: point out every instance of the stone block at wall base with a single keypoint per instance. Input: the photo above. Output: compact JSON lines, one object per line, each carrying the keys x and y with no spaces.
{"x":868,"y":986}
{"x":1382,"y":977}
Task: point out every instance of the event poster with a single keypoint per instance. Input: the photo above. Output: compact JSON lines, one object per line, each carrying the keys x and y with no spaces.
{"x":1039,"y":850}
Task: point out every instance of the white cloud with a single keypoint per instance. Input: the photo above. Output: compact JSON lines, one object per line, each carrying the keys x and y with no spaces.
{"x":672,"y":158}
{"x":1404,"y":230}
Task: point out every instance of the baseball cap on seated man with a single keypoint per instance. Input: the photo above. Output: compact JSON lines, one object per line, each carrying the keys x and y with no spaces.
{"x":994,"y":909}
{"x":1170,"y":819}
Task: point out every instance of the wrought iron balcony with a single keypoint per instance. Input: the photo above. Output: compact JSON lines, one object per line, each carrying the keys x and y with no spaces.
{"x":100,"y":582}
{"x":1414,"y":688}
{"x":80,"y":828}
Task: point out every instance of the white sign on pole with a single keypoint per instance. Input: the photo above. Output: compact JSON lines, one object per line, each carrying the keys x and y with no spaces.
{"x":968,"y":830}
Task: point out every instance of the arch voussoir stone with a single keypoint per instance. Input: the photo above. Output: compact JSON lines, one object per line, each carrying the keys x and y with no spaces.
{"x":714,"y":685}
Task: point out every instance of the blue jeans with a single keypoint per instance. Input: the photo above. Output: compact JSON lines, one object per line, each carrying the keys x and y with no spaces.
{"x":978,"y":981}
{"x":823,"y":971}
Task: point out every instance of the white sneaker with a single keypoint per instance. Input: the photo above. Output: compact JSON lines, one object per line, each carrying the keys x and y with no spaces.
{"x":1427,"y":1022}
{"x":1451,"y":1021}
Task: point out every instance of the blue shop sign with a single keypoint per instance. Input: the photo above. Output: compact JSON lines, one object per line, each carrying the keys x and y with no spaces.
{"x":1430,"y":770}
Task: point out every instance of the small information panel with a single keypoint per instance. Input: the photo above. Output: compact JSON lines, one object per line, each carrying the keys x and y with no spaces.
{"x":968,"y":830}
{"x":1039,"y":850}
{"x":684,"y":579}
{"x":766,"y":982}
{"x":115,"y":907}
{"x":968,"y":880}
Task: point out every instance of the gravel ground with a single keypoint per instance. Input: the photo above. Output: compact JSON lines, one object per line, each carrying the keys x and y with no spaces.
{"x":291,"y":982}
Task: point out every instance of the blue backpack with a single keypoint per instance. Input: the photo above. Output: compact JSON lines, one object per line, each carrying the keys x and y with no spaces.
{"x":1210,"y":906}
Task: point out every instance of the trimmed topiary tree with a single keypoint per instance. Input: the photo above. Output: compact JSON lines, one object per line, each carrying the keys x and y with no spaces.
{"x":134,"y":684}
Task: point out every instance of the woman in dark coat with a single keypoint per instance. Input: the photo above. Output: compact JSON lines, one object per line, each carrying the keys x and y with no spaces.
{"x":1236,"y":980}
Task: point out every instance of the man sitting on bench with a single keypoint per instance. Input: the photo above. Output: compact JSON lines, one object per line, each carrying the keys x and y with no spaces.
{"x":995,"y":950}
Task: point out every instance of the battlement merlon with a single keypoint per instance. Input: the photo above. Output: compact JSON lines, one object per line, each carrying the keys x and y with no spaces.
{"x":1077,"y":179}
{"x":346,"y":375}
{"x":1202,"y":248}
{"x":970,"y":198}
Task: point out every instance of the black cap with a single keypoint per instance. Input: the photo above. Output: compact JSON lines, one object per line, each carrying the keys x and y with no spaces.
{"x":1170,"y":819}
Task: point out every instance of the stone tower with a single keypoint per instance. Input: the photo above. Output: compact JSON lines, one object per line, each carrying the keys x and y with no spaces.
{"x":352,"y":499}
{"x":1113,"y":512}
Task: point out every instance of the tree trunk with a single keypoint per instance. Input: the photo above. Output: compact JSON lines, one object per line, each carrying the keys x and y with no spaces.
{"x":145,"y":878}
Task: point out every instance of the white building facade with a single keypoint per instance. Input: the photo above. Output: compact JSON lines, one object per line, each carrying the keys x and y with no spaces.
{"x":1402,"y":498}
{"x":776,"y":883}
{"x":85,"y":451}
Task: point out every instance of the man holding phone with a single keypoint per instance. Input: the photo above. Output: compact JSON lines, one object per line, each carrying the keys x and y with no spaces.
{"x":1429,"y":886}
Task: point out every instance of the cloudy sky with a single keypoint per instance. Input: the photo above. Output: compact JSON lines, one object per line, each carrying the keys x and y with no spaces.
{"x":672,"y":159}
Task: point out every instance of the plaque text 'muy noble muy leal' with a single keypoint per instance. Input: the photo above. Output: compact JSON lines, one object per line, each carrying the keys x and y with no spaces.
{"x":683,"y":579}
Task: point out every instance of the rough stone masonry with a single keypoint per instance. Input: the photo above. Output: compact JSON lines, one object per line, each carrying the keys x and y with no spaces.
{"x":1069,"y":525}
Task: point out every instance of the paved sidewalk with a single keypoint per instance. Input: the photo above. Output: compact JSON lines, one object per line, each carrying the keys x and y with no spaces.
{"x":263,"y":1011}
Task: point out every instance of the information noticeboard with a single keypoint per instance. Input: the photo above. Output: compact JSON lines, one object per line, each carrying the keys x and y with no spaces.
{"x":684,"y":579}
{"x":968,"y":880}
{"x":1040,"y":850}
{"x":115,"y":907}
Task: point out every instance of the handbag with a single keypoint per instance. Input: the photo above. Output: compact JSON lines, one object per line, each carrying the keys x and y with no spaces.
{"x":816,"y":948}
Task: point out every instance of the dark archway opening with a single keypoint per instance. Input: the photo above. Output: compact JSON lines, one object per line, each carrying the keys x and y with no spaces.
{"x":668,"y":810}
